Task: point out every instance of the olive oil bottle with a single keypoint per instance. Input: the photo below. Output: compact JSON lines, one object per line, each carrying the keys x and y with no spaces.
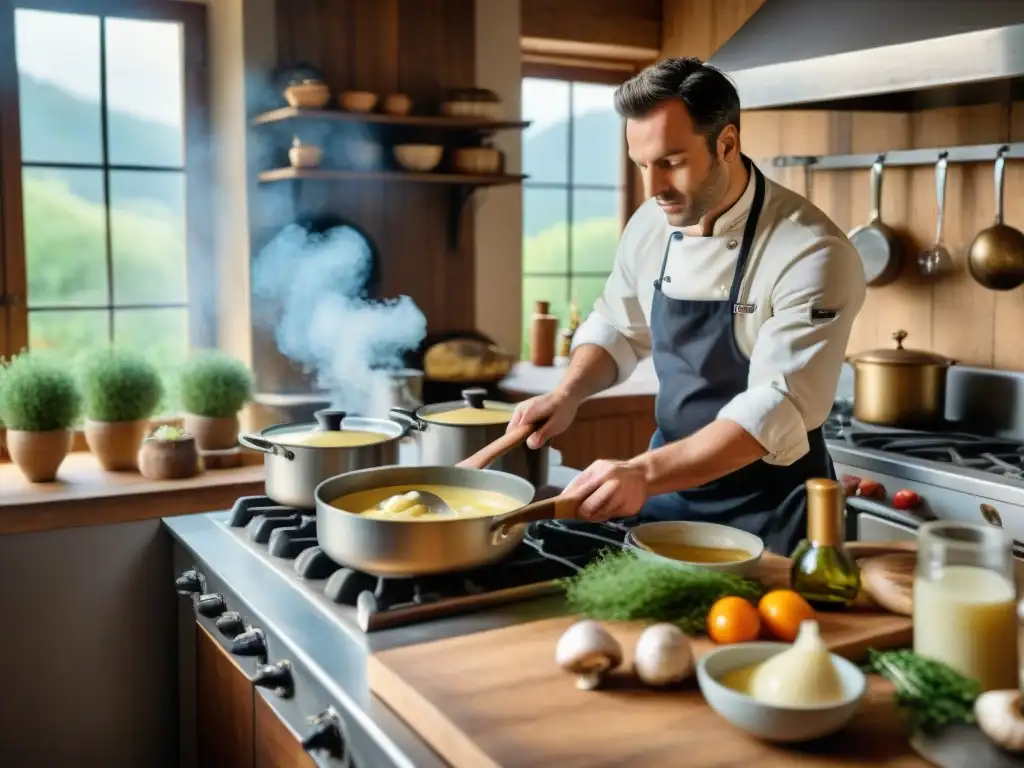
{"x":822,"y":571}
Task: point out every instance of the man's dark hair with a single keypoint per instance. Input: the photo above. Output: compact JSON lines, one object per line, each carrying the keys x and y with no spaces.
{"x":708,"y":93}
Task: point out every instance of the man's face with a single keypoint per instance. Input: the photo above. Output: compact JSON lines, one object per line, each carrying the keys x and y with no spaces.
{"x":687,"y":180}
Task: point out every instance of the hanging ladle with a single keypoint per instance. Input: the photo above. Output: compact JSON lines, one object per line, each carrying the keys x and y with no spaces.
{"x":936,"y":258}
{"x":996,"y":257}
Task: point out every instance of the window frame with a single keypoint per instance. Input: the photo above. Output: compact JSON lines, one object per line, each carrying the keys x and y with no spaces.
{"x":202,"y":274}
{"x":604,"y":73}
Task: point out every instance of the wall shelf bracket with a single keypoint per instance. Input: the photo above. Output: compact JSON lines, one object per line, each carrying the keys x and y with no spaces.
{"x":460,"y":197}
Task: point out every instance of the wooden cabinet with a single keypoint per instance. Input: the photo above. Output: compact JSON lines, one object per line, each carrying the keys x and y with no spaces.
{"x":276,"y":745}
{"x":224,"y":707}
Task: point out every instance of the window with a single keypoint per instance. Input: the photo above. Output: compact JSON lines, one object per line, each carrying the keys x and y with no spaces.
{"x":574,"y":198}
{"x":109,"y":115}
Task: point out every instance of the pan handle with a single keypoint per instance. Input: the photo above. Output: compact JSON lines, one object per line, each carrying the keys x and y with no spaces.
{"x":257,"y":443}
{"x":876,"y":188}
{"x":408,"y":418}
{"x":558,"y":508}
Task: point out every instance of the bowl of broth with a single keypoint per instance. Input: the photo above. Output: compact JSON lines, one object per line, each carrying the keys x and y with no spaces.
{"x":685,"y":544}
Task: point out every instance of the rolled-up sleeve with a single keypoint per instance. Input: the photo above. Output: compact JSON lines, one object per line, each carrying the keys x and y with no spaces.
{"x":799,"y":351}
{"x":618,"y":323}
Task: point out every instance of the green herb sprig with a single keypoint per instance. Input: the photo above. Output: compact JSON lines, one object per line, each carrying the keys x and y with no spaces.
{"x":619,"y":586}
{"x":929,"y":693}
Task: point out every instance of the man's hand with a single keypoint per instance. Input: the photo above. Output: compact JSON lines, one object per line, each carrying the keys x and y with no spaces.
{"x":609,"y":489}
{"x":557,"y":407}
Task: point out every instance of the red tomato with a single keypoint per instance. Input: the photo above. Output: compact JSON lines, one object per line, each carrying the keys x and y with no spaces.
{"x":850,"y":484}
{"x":871,"y":489}
{"x":904,"y":499}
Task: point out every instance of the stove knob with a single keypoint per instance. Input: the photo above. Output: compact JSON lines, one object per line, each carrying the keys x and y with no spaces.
{"x":189,"y":583}
{"x":230,"y":624}
{"x":252,"y":642}
{"x":211,"y":605}
{"x":277,"y":677}
{"x":326,"y":735}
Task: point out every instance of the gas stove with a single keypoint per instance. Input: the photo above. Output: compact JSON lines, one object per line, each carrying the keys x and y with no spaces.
{"x":285,"y":538}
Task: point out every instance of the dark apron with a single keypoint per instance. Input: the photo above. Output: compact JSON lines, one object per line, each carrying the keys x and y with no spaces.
{"x":700,"y":369}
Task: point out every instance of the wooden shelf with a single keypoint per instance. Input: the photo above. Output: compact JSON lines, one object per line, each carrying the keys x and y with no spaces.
{"x":478,"y":124}
{"x":331,"y":174}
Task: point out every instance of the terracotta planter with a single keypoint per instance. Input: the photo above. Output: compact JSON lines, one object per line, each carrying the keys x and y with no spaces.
{"x":39,"y":454}
{"x":168,"y":459}
{"x":213,"y":433}
{"x":115,"y":444}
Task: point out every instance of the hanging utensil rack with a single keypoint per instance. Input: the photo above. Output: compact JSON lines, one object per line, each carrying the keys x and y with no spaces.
{"x":976,"y":153}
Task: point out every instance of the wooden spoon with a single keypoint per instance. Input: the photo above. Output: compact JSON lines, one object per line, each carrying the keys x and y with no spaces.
{"x":558,"y":508}
{"x":493,"y":451}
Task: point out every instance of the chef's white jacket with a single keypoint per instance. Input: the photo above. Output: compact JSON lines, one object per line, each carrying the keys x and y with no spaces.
{"x":800,"y":261}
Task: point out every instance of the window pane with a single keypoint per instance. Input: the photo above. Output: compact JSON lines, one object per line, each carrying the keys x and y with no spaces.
{"x":65,"y":237}
{"x":145,"y":92}
{"x":586,"y":291}
{"x":553,"y":290}
{"x":545,"y":238}
{"x":58,"y":57}
{"x":147,"y":223}
{"x":162,"y":336}
{"x":69,"y":333}
{"x":597,"y":136}
{"x":546,"y":142}
{"x":596,"y":229}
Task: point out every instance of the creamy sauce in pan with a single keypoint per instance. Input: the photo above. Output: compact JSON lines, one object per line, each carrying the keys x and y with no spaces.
{"x":345,"y":438}
{"x":470,"y":416}
{"x":402,"y":505}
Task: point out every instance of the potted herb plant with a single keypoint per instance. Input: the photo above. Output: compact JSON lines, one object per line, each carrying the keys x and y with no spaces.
{"x":39,"y":403}
{"x":121,"y":390}
{"x":168,"y":454}
{"x":214,"y":388}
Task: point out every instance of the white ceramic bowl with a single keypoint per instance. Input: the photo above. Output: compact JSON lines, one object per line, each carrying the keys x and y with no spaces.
{"x":697,"y":535}
{"x":768,"y":722}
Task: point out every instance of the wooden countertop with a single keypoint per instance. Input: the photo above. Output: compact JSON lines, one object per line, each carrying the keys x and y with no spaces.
{"x":84,"y":494}
{"x":527,"y":379}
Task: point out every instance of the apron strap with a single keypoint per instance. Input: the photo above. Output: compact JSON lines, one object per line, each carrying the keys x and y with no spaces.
{"x":748,"y":234}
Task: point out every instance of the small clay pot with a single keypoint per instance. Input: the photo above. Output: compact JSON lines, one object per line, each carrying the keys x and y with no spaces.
{"x":213,"y":433}
{"x":168,"y":459}
{"x":39,"y":454}
{"x":115,"y":444}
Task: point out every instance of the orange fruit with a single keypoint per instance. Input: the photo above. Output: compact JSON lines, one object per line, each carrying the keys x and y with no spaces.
{"x":781,"y":612}
{"x":733,"y":620}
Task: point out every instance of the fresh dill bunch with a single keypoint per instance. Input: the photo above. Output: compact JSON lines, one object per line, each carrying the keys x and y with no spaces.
{"x":619,"y":586}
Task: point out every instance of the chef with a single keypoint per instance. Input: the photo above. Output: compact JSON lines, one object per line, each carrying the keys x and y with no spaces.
{"x":743,"y":292}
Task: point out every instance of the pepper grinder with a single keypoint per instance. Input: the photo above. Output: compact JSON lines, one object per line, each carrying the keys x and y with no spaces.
{"x":543,"y":329}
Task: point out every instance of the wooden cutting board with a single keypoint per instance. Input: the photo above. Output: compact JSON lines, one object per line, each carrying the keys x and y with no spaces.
{"x":496,"y":698}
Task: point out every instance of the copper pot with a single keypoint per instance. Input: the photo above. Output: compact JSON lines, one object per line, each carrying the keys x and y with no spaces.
{"x":899,"y":387}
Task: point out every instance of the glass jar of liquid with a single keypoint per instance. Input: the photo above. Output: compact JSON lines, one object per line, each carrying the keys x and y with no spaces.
{"x":965,"y":609}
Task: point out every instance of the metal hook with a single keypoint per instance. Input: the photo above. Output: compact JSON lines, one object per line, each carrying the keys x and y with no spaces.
{"x":1002,"y":151}
{"x":944,"y":155}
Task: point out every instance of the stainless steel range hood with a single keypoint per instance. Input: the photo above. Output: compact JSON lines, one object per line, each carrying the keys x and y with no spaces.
{"x":890,"y":55}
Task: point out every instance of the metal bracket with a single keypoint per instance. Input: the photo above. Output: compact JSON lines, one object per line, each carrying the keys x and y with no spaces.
{"x":460,"y":196}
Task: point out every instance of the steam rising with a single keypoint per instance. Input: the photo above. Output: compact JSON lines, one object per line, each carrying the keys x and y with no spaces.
{"x":324,"y":323}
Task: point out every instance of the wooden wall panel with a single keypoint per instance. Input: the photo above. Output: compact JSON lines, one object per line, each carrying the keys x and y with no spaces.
{"x":953,"y":315}
{"x":418,"y":47}
{"x":622,"y":23}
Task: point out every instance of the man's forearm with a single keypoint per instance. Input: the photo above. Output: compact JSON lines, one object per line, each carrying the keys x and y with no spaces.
{"x":721,"y":447}
{"x":591,"y":370}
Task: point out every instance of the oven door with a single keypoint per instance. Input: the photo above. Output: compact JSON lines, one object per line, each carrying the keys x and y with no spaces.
{"x":876,"y":521}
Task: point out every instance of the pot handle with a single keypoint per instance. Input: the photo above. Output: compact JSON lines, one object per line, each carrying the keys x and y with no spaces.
{"x":408,"y":418}
{"x":257,"y":443}
{"x":558,"y":508}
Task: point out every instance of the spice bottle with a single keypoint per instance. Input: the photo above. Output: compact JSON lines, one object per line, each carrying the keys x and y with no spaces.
{"x":543,"y":328}
{"x":822,"y":571}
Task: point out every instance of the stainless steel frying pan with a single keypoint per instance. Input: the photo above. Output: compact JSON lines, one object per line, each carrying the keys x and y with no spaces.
{"x":406,"y":548}
{"x":880,"y":248}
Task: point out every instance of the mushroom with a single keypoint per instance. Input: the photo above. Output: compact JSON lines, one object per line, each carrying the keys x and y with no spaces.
{"x":663,"y":655}
{"x":586,"y":649}
{"x":999,"y":716}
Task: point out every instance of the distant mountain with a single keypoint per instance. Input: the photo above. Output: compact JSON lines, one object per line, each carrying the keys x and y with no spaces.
{"x":60,"y":127}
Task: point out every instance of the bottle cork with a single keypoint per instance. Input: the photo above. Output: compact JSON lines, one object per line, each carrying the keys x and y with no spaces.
{"x":826,"y":507}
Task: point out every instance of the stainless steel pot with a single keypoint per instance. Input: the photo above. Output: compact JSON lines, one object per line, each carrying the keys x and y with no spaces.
{"x":448,"y":444}
{"x":899,"y":387}
{"x":404,"y":548}
{"x":294,"y":471}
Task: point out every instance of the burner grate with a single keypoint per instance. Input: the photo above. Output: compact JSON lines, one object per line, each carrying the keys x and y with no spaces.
{"x":551,"y":550}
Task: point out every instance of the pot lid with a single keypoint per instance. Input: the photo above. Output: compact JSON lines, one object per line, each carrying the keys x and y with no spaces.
{"x":899,"y":355}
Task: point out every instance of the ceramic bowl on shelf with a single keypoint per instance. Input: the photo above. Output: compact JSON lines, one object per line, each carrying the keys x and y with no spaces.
{"x":767,"y":721}
{"x":358,"y":101}
{"x":482,"y":160}
{"x":307,"y":94}
{"x":304,"y":155}
{"x":669,"y":541}
{"x":418,"y":157}
{"x":397,"y":104}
